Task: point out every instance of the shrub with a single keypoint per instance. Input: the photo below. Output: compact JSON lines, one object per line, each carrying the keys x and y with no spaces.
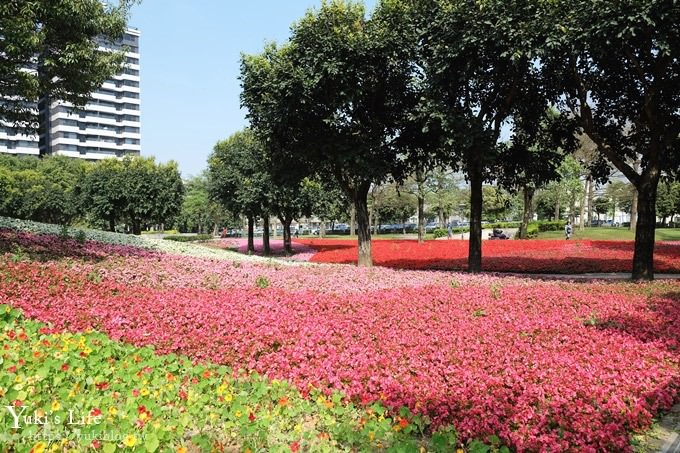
{"x":440,"y":233}
{"x":197,"y":237}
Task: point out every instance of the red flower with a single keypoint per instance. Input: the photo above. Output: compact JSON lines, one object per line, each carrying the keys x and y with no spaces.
{"x":95,"y":412}
{"x":403,"y":423}
{"x":12,"y":369}
{"x":64,"y":367}
{"x":100,"y":386}
{"x":251,"y":417}
{"x":295,"y":446}
{"x":135,"y":393}
{"x":17,"y":403}
{"x":182,"y":395}
{"x":95,"y":444}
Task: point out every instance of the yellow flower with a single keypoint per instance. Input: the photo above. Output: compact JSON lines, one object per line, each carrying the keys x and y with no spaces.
{"x":130,"y":441}
{"x":39,"y":447}
{"x":144,"y":416}
{"x":238,"y":414}
{"x":221,"y":389}
{"x":55,"y":405}
{"x":144,"y":392}
{"x":181,"y":450}
{"x":18,"y":379}
{"x":113,"y":410}
{"x":298,"y":428}
{"x":228,"y":397}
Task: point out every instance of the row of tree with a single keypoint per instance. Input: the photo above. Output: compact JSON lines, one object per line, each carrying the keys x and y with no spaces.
{"x":497,"y":89}
{"x":239,"y":178}
{"x":134,"y":191}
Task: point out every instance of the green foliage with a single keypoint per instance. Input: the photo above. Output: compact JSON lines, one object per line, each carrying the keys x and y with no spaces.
{"x":162,"y":402}
{"x":393,"y":205}
{"x":262,"y":282}
{"x":44,"y":190}
{"x":200,"y":213}
{"x":192,"y":238}
{"x":237,"y":177}
{"x":440,"y":233}
{"x":64,"y":37}
{"x":134,"y":190}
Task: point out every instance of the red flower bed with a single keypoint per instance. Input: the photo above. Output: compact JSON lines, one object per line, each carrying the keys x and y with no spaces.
{"x":533,"y":256}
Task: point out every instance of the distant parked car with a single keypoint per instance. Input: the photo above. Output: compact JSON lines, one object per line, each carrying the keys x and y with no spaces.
{"x":431,"y":226}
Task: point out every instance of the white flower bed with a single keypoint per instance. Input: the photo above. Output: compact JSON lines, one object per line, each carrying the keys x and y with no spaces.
{"x":107,"y":237}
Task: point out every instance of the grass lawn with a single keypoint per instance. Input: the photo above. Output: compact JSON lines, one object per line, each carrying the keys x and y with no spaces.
{"x":612,"y":234}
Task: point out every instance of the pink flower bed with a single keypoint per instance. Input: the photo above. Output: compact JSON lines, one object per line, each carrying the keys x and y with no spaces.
{"x":547,"y":366}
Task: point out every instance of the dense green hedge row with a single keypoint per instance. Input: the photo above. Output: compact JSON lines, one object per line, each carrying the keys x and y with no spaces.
{"x":193,"y":238}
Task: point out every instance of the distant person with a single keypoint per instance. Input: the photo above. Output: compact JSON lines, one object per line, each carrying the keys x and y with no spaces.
{"x":449,"y":230}
{"x":297,"y":232}
{"x":568,"y":229}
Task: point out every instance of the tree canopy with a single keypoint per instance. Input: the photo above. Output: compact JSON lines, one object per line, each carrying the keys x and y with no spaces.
{"x":59,"y":42}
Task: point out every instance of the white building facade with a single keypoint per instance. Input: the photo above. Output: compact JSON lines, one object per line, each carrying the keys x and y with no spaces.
{"x":108,"y":126}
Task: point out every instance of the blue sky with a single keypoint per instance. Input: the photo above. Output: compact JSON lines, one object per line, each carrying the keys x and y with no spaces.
{"x":190,"y":65}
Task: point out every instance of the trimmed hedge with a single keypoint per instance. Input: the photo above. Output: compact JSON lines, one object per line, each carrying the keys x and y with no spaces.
{"x":197,"y":237}
{"x":544,"y":225}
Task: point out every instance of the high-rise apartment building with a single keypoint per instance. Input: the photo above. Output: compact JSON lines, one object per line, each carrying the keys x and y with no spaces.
{"x":108,"y":126}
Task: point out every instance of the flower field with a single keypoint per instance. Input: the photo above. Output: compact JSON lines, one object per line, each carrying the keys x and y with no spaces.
{"x":533,"y":256}
{"x":544,"y":366}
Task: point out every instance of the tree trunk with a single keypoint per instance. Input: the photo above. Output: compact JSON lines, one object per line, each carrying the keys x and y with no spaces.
{"x":442,"y":222}
{"x":421,"y":218}
{"x":359,"y":195}
{"x":634,"y":210}
{"x":643,"y":257}
{"x":591,"y":198}
{"x":251,"y":234}
{"x":287,"y":244}
{"x":528,"y":195}
{"x":584,"y":200}
{"x":136,"y":227}
{"x":322,"y":229}
{"x":475,"y":245}
{"x":273,"y":227}
{"x":112,"y":224}
{"x":352,"y":219}
{"x":557,"y":210}
{"x":266,"y":247}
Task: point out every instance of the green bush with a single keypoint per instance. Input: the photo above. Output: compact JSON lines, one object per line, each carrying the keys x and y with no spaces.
{"x":439,"y":233}
{"x":503,"y":225}
{"x":544,"y":225}
{"x":532,"y":230}
{"x":197,"y":237}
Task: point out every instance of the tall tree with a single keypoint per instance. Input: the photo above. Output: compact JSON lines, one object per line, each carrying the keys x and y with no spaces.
{"x":326,"y":101}
{"x":477,"y":59}
{"x":239,"y":180}
{"x":58,"y":42}
{"x":618,"y":64}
